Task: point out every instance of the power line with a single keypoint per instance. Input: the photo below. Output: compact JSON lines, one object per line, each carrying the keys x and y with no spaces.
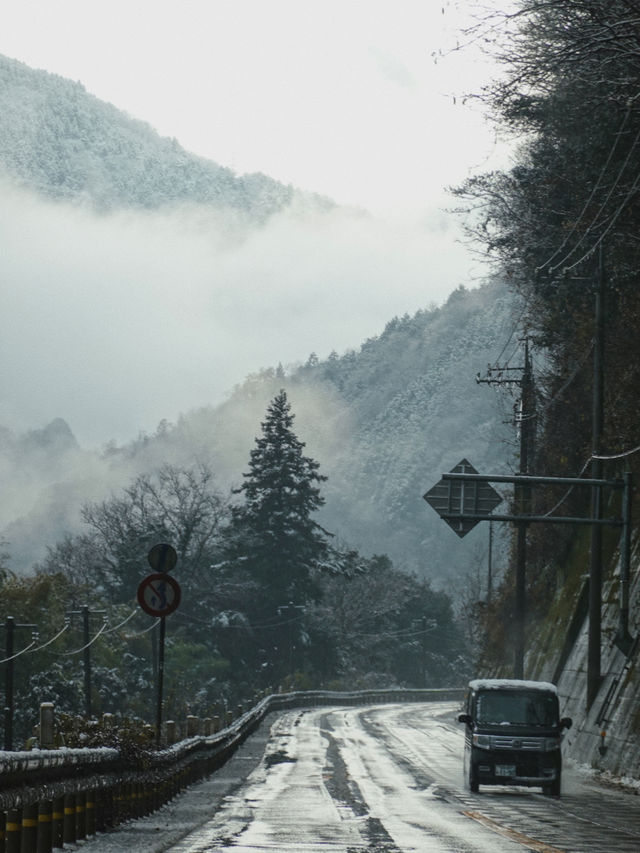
{"x":86,"y":645}
{"x":592,"y":194}
{"x":622,"y":455}
{"x":563,"y":388}
{"x":613,"y":221}
{"x":21,"y":652}
{"x":124,"y":622}
{"x":145,"y":631}
{"x":66,"y":627}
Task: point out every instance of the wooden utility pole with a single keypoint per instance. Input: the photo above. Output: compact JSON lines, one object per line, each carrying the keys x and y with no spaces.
{"x":85,"y":612}
{"x":522,"y":493}
{"x":523,"y":501}
{"x":8,"y":684}
{"x":595,"y":569}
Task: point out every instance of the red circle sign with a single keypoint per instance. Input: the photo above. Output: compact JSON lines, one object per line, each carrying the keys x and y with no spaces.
{"x":159,"y":594}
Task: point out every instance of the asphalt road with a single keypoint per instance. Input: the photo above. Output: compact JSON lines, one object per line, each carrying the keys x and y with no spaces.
{"x":382,"y":779}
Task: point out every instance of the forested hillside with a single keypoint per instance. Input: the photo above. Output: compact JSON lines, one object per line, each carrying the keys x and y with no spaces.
{"x":563,"y":225}
{"x":62,"y":142}
{"x":384,"y":421}
{"x":387,"y":420}
{"x":257,"y":526}
{"x":305,"y":552}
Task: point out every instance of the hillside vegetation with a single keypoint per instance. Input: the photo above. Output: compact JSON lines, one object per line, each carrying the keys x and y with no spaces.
{"x":384,"y":421}
{"x":562,"y":225}
{"x":62,"y":142}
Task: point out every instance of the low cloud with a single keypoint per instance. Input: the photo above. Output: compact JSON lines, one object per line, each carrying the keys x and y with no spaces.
{"x":117,"y":321}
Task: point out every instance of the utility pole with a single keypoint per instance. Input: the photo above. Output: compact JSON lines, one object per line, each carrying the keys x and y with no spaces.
{"x":490,"y":566}
{"x":87,"y":662}
{"x":424,"y":651}
{"x":10,"y":627}
{"x":86,"y":653}
{"x":595,"y":569}
{"x":8,"y":683}
{"x":523,"y":501}
{"x":526,"y":420}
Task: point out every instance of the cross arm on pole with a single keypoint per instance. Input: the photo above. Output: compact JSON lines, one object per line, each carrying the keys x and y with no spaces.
{"x":530,"y":480}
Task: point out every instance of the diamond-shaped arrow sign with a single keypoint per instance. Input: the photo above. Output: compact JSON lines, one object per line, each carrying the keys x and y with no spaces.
{"x":453,"y":499}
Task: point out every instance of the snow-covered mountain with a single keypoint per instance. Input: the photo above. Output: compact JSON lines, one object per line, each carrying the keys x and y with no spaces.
{"x":62,"y":142}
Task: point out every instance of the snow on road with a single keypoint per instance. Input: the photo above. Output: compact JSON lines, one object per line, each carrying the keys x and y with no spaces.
{"x":381,"y":779}
{"x":329,"y":780}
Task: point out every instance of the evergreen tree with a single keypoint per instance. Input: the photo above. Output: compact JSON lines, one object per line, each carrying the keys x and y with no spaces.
{"x":276,"y":538}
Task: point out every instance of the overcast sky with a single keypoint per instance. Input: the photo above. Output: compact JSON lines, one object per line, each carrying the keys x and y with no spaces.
{"x":360,"y":100}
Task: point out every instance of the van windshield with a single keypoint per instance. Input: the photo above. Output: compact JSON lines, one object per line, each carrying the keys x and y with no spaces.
{"x":502,"y":708}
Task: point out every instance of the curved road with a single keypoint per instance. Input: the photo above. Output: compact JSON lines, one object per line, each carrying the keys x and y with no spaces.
{"x":383,"y":779}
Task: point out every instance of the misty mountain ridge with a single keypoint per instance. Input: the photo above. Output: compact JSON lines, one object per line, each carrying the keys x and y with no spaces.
{"x":384,"y":422}
{"x":67,"y":145}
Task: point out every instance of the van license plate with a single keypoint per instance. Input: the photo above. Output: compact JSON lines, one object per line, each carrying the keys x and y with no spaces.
{"x":505,"y":770}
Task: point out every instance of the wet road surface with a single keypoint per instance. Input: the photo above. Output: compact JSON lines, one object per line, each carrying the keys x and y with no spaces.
{"x":383,"y":779}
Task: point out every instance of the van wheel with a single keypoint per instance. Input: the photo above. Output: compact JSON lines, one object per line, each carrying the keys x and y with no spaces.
{"x":474,"y":785}
{"x":552,"y":790}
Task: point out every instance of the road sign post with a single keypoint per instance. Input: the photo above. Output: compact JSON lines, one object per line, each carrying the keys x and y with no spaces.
{"x":462,"y":510}
{"x":159,"y":595}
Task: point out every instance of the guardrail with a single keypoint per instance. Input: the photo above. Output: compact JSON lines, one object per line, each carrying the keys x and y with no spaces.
{"x":49,"y":798}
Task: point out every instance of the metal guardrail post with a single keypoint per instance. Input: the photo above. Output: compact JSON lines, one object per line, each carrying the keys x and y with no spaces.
{"x":45,"y":837}
{"x":57,"y":822}
{"x":69,"y":822}
{"x":130,"y":801}
{"x":81,"y":817}
{"x":29,"y":832}
{"x":171,"y":770}
{"x":90,"y":813}
{"x":13,"y":830}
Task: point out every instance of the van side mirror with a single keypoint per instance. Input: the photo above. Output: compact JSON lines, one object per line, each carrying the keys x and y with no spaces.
{"x":464,"y":718}
{"x":566,"y":723}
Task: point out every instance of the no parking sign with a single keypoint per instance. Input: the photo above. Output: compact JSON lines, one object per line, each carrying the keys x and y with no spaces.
{"x":159,"y":594}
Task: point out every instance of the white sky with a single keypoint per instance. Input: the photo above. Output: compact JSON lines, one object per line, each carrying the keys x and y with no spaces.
{"x":341,"y":97}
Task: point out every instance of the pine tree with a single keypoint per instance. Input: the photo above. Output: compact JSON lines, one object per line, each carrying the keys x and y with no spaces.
{"x":278,"y":539}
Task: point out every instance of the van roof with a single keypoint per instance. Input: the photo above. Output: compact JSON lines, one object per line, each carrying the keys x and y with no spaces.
{"x":511,"y":684}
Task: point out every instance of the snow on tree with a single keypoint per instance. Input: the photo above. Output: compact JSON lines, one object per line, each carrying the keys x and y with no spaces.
{"x":275,"y":535}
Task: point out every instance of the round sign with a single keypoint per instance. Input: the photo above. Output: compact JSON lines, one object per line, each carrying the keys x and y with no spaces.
{"x":162,"y":557}
{"x":159,"y":594}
